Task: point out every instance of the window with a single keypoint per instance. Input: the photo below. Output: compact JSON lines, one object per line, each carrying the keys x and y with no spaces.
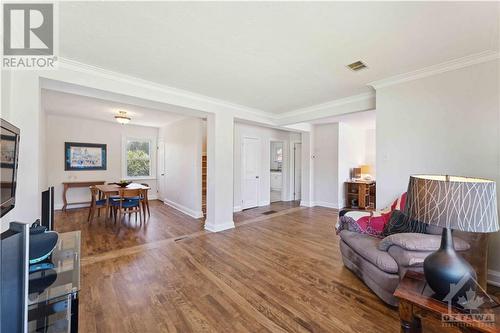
{"x":138,"y":158}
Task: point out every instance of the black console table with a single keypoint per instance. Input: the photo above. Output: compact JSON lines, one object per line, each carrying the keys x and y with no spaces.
{"x":53,"y":288}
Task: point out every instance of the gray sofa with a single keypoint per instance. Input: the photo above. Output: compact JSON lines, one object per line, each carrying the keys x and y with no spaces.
{"x":381,"y":263}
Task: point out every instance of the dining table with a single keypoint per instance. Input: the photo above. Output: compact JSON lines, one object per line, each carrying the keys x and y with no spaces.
{"x":111,"y":189}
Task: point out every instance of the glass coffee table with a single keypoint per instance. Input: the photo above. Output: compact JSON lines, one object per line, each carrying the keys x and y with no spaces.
{"x":53,"y":288}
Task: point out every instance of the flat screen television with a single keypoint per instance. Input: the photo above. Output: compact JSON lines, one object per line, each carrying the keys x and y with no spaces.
{"x":9,"y":151}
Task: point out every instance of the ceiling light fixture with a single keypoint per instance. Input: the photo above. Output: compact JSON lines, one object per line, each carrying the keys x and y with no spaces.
{"x":356,"y":66}
{"x":122,"y":118}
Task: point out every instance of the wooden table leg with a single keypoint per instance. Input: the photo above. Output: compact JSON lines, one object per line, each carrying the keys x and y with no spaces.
{"x":65,"y":201}
{"x":409,"y":323}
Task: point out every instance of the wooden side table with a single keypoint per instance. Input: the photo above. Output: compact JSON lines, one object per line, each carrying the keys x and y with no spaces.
{"x":362,"y":192}
{"x":416,"y":302}
{"x":68,"y":185}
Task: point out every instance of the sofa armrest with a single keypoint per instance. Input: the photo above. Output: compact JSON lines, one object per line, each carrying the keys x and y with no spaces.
{"x":419,"y":242}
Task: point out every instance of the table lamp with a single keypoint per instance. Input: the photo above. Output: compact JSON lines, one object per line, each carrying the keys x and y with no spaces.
{"x":366,"y":171}
{"x":453,"y":203}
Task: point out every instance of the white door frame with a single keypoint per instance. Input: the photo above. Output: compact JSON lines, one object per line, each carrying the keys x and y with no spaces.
{"x":292,"y":169}
{"x":243,"y":137}
{"x":284,"y":169}
{"x":160,"y":170}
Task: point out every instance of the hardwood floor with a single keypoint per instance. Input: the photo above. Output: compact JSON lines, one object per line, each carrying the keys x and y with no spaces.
{"x":102,"y":236}
{"x":278,"y":206}
{"x":272,"y":273}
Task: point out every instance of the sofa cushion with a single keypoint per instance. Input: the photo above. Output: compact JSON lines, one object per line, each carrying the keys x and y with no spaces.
{"x":419,"y":242}
{"x":366,"y":247}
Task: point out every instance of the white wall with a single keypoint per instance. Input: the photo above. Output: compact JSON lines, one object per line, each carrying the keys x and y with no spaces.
{"x":21,"y":107}
{"x":447,"y":124}
{"x":326,"y":165}
{"x":266,"y":135}
{"x":61,"y":129}
{"x":183,"y":151}
{"x":352,"y":153}
{"x":371,"y":149}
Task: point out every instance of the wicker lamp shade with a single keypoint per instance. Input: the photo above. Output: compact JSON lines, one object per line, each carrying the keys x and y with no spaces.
{"x":461,"y":203}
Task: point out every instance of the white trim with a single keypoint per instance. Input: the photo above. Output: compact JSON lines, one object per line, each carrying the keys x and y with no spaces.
{"x":326,"y":204}
{"x":447,"y":66}
{"x":264,"y":203}
{"x":292,"y":169}
{"x":328,"y":105}
{"x":219,"y":226}
{"x":237,"y":209}
{"x":102,"y":72}
{"x":183,"y":209}
{"x":307,"y":203}
{"x":494,"y":277}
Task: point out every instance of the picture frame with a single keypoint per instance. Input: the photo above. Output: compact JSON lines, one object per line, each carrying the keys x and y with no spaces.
{"x":80,"y":156}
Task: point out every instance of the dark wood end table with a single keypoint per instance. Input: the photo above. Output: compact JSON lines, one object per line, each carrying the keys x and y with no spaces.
{"x":416,"y":302}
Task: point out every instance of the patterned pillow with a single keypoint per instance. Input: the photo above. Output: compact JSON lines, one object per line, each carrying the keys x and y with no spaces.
{"x":399,"y":223}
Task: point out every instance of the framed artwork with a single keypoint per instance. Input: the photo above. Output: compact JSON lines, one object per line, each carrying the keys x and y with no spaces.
{"x":84,"y":156}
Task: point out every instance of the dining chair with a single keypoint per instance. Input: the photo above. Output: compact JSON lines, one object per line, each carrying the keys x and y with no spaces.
{"x":129,"y":201}
{"x":96,"y":203}
{"x":146,"y":201}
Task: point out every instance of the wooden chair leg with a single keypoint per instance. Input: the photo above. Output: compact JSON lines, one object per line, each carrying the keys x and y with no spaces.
{"x":90,"y":213}
{"x":147,"y":205}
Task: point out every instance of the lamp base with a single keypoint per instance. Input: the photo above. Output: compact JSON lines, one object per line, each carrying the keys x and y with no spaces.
{"x":448,"y":274}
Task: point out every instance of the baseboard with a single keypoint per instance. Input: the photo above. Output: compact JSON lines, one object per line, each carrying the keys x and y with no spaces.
{"x":306,"y":203}
{"x":60,"y":206}
{"x":494,"y":278}
{"x":326,"y":204}
{"x":219,"y":226}
{"x":183,"y":209}
{"x":264,"y":203}
{"x":237,"y":209}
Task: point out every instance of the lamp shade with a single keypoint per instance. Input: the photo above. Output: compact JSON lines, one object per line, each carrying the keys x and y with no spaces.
{"x":366,"y":169}
{"x":461,"y":203}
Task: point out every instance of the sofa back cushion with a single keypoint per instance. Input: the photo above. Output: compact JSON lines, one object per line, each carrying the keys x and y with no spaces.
{"x":400,"y":222}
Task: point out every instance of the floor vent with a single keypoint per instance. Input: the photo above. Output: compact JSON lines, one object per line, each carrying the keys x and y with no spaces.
{"x":269,"y":212}
{"x":180,"y":238}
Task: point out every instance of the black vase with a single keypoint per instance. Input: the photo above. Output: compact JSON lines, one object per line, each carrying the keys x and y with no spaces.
{"x":445,"y":267}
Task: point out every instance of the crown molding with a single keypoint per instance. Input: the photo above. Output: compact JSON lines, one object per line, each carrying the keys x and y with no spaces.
{"x":447,"y":66}
{"x":109,"y":74}
{"x":327,"y":105}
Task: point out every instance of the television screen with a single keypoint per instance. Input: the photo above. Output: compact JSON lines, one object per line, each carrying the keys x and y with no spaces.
{"x":9,"y":150}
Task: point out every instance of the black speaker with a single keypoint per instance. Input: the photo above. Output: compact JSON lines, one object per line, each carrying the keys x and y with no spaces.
{"x":48,"y":208}
{"x":41,"y":244}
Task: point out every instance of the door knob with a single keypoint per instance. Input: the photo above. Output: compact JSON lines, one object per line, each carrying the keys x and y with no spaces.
{"x":256,"y":176}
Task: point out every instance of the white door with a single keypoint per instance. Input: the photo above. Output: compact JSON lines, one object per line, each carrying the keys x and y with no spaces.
{"x":297,"y":159}
{"x":251,"y":174}
{"x":161,"y":179}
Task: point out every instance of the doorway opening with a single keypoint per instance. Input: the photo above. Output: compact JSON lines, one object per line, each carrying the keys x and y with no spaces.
{"x":276,"y":170}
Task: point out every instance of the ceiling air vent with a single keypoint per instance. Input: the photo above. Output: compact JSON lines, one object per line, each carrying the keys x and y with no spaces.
{"x":357,"y":66}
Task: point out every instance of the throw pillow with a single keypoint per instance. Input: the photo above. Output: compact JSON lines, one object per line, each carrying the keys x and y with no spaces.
{"x":399,"y":222}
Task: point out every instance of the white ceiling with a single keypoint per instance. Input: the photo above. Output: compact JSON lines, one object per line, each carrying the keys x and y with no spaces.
{"x":364,"y":119}
{"x":60,"y":103}
{"x":273,"y":56}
